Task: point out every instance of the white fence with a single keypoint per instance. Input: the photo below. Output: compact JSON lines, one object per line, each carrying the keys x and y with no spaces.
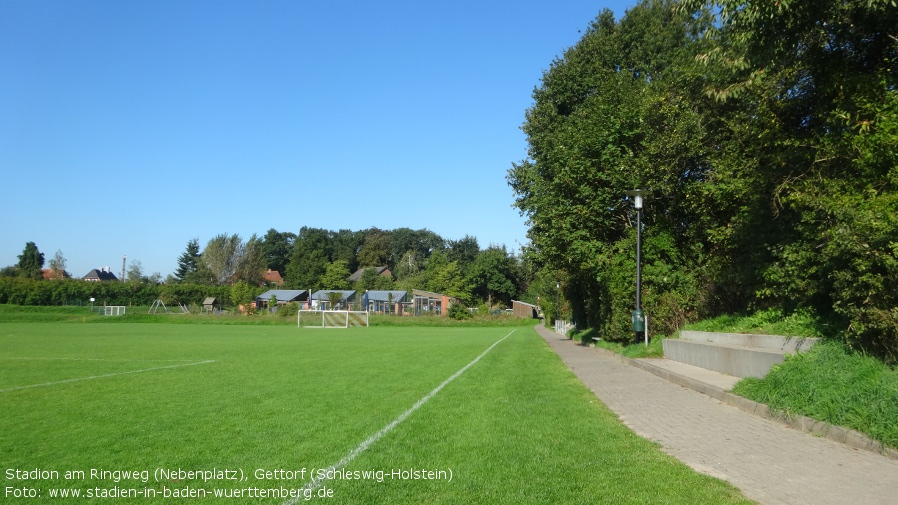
{"x":563,"y":327}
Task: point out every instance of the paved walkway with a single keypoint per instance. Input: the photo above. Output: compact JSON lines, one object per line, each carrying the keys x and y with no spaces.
{"x":770,"y":462}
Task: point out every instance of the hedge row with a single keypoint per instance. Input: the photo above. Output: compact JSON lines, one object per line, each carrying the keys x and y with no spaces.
{"x":20,"y":291}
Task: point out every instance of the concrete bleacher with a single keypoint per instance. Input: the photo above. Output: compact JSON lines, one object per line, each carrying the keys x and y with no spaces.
{"x":736,"y":354}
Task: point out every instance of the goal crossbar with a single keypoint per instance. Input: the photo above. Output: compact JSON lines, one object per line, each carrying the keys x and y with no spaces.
{"x":331,"y":318}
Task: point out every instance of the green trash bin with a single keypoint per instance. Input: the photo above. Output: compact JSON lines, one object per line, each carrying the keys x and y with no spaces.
{"x":638,"y":320}
{"x":638,"y":326}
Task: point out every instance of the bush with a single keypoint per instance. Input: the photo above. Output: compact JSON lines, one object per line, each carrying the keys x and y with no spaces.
{"x":20,"y":291}
{"x":289,"y":310}
{"x":458,"y":311}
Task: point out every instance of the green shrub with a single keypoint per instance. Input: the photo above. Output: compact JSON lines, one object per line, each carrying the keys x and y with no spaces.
{"x":288,"y":310}
{"x":458,"y":311}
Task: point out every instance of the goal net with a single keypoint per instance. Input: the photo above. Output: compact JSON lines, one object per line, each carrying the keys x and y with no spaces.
{"x":331,"y":318}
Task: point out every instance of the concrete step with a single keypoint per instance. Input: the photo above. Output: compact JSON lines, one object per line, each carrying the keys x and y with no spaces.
{"x":736,"y":354}
{"x":683,"y":374}
{"x":774,"y":342}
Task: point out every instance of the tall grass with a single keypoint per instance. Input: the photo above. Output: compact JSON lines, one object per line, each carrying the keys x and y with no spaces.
{"x":770,"y":322}
{"x":829,"y":384}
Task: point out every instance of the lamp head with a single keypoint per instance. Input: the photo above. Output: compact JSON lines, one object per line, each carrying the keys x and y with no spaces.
{"x":638,"y":195}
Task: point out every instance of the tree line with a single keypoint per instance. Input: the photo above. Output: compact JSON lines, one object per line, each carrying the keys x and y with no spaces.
{"x":312,"y":259}
{"x":316,"y":258}
{"x":768,"y":132}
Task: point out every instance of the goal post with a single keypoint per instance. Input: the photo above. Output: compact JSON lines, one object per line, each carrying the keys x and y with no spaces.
{"x":308,"y":318}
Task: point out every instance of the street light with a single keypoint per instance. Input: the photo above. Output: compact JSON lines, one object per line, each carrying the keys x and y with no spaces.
{"x":639,"y":321}
{"x":557,"y":299}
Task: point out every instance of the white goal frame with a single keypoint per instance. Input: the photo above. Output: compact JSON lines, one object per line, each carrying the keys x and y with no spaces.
{"x":114,"y":310}
{"x":332,"y":318}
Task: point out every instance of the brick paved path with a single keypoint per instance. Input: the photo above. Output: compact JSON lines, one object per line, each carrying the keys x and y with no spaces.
{"x":770,"y":462}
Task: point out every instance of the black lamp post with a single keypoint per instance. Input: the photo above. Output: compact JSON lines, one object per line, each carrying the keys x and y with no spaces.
{"x":639,"y":322}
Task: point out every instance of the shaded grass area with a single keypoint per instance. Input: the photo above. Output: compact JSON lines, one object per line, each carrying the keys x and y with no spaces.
{"x":630,"y":349}
{"x":517,"y":427}
{"x":832,"y":385}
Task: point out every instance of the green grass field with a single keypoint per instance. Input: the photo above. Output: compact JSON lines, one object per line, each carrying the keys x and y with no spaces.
{"x":388,"y":405}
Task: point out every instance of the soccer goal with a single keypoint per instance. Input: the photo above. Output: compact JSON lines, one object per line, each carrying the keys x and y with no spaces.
{"x":331,"y":318}
{"x":114,"y":310}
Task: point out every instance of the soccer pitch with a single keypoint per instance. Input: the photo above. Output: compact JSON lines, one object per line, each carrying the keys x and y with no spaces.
{"x":157,"y":413}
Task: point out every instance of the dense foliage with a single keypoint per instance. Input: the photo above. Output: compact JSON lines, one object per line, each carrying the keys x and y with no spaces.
{"x":18,"y":291}
{"x":768,"y":131}
{"x":31,"y":262}
{"x":232,"y":270}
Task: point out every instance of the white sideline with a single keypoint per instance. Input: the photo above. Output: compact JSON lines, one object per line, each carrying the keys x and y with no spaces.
{"x":103,"y":359}
{"x":78,"y":379}
{"x":402,"y":417}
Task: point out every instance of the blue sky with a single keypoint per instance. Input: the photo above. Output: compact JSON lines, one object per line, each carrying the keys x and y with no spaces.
{"x":130,"y":128}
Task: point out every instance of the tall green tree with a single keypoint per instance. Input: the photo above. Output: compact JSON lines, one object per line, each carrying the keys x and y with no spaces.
{"x":222,"y":256}
{"x":58,"y":265}
{"x":614,"y":113}
{"x":135,"y":273}
{"x":463,"y":250}
{"x":336,"y":276}
{"x":443,"y":275}
{"x":251,"y":264}
{"x":276,"y":248}
{"x":421,"y":242}
{"x":376,"y":249}
{"x":190,"y":267}
{"x":308,"y":262}
{"x":767,"y":130}
{"x":31,"y":262}
{"x":408,"y":264}
{"x":822,"y":79}
{"x":494,"y":276}
{"x":345,"y":246}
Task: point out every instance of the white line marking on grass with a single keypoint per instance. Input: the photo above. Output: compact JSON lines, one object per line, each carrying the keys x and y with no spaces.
{"x":104,"y":359}
{"x":92,"y":377}
{"x":386,"y":429}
